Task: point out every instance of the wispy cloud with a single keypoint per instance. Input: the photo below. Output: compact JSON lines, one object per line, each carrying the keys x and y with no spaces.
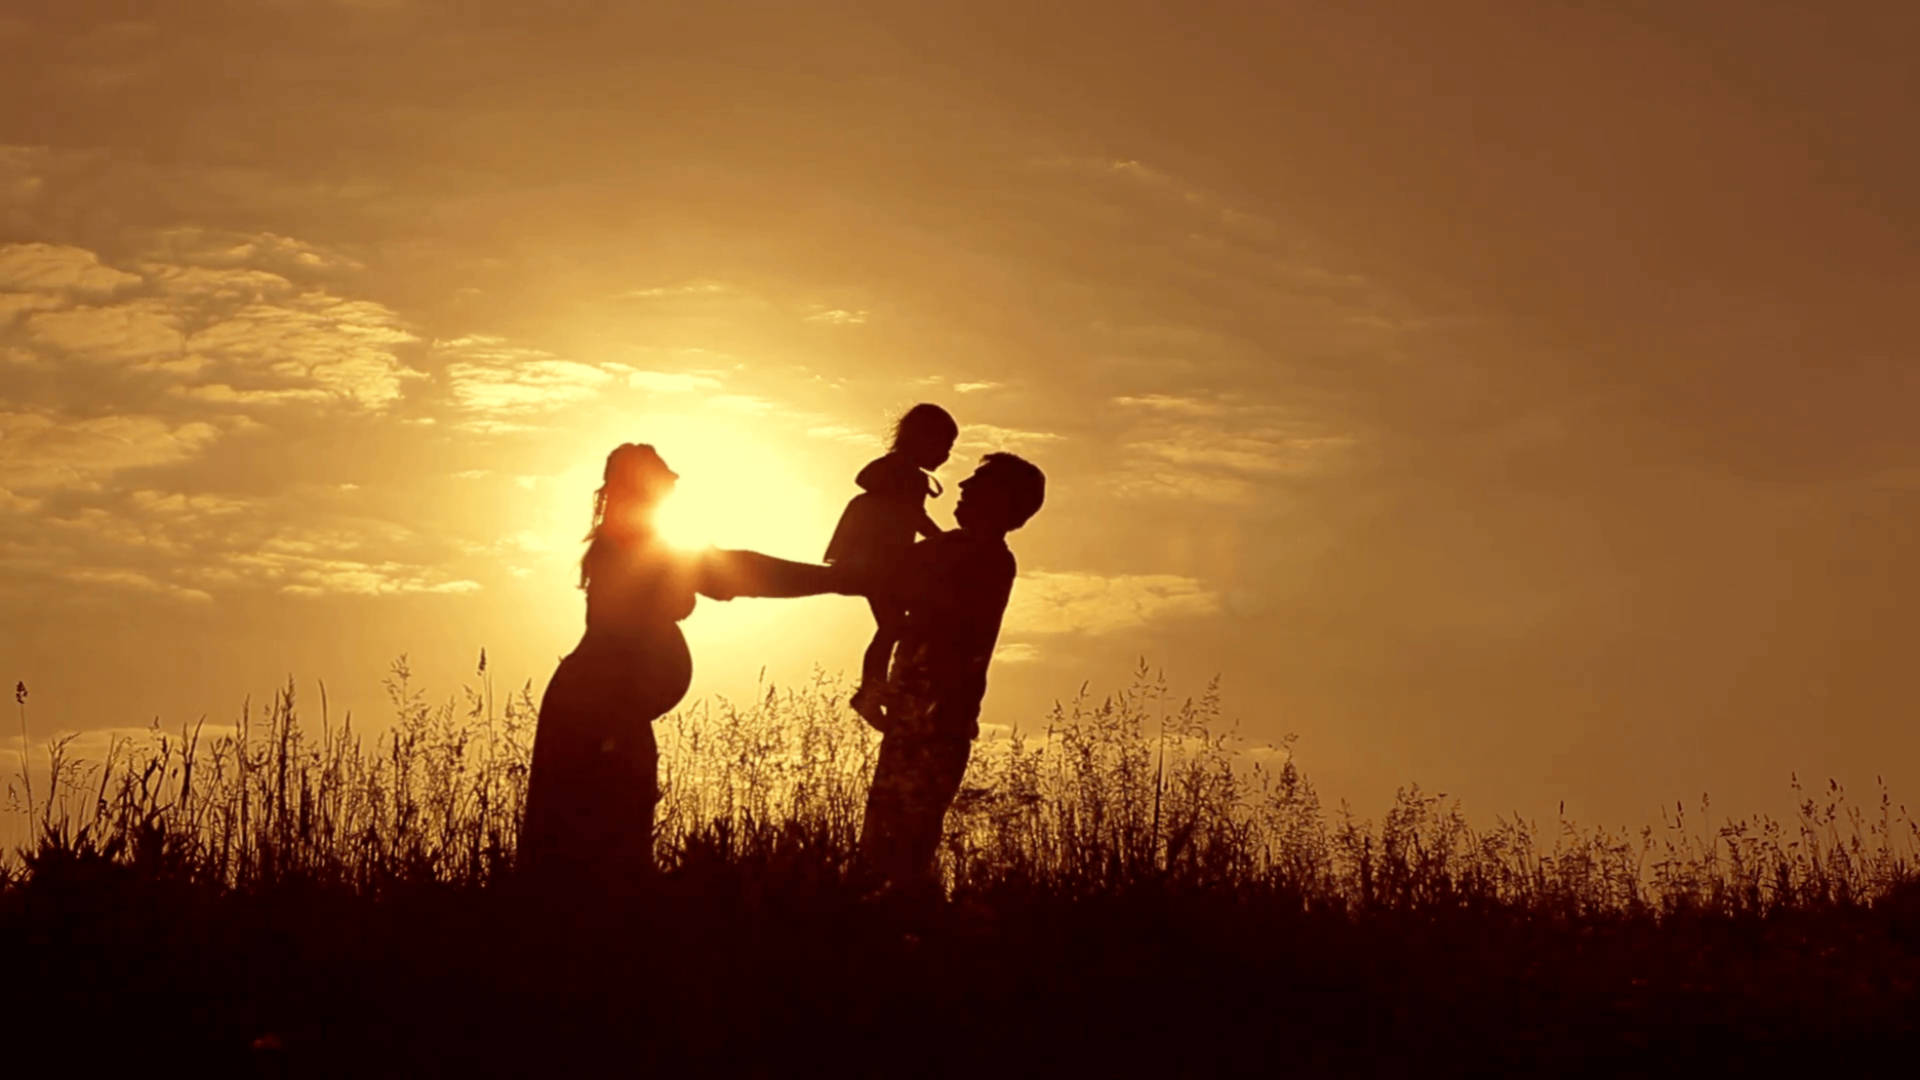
{"x":301,"y":575}
{"x":260,"y":250}
{"x":123,"y":334}
{"x":1057,"y":602}
{"x":1216,"y":448}
{"x":56,"y":268}
{"x":671,"y":382}
{"x":987,"y":437}
{"x":750,"y":404}
{"x":180,"y":504}
{"x":841,"y":433}
{"x":137,"y":581}
{"x":1171,"y":403}
{"x":219,"y":284}
{"x":496,"y":383}
{"x":224,"y":394}
{"x":345,"y":348}
{"x":42,"y":451}
{"x":697,"y":287}
{"x":1143,"y":179}
{"x":15,"y":304}
{"x":222,"y":331}
{"x":838,"y":317}
{"x":1249,"y":453}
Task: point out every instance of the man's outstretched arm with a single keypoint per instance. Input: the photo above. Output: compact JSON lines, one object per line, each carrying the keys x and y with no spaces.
{"x":725,"y":575}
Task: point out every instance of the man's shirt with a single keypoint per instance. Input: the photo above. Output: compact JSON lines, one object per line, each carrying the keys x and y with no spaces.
{"x":956,"y":588}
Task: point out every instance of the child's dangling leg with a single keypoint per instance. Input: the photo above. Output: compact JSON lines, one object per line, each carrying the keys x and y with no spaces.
{"x":869,"y":698}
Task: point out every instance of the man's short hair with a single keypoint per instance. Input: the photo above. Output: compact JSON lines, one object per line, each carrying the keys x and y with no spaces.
{"x":1025,"y":484}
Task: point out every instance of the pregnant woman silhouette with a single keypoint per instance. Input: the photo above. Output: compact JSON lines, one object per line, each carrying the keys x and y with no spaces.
{"x":594,"y":783}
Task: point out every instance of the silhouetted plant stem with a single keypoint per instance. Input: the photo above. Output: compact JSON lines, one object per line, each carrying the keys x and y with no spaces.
{"x":26,"y":764}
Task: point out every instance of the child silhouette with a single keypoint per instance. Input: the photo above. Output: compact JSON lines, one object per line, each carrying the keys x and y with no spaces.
{"x":877,"y":530}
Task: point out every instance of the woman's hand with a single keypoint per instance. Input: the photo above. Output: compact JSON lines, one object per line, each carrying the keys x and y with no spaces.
{"x":714,"y":576}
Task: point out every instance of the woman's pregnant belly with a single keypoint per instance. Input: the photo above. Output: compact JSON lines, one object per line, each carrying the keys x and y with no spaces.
{"x":643,"y":673}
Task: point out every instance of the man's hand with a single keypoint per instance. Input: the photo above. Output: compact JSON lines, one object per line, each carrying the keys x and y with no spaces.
{"x":851,"y":580}
{"x":725,"y":575}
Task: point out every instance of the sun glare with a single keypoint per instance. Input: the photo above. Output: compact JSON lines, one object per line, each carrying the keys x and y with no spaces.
{"x":740,"y":494}
{"x":736,"y":489}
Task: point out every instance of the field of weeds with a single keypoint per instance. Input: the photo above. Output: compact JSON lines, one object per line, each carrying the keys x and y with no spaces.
{"x":1131,"y":888}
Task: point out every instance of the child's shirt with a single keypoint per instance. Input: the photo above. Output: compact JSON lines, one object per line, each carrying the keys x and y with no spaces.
{"x":878,"y":526}
{"x":892,"y":476}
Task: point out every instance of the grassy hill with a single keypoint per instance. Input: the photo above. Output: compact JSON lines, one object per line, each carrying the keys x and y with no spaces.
{"x":1131,"y":888}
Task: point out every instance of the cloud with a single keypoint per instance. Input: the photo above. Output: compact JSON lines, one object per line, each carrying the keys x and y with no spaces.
{"x":221,"y":330}
{"x":1132,"y":176}
{"x":1214,"y":447}
{"x":975,"y":387}
{"x":22,"y":179}
{"x":192,"y":545}
{"x":223,"y":284}
{"x":498,"y":383}
{"x":840,"y":433}
{"x":671,"y":382}
{"x":178,"y":504}
{"x":750,"y":404}
{"x":223,"y":394}
{"x":1078,"y":602}
{"x":1016,"y":653}
{"x":218,"y":542}
{"x":697,"y":287}
{"x":224,"y":248}
{"x":128,"y":333}
{"x":988,"y":437}
{"x":40,"y":451}
{"x":838,"y":317}
{"x":134,"y":579}
{"x":1221,"y":469}
{"x":54,"y":268}
{"x":313,"y":575}
{"x":1253,"y":453}
{"x":15,"y":304}
{"x":1171,"y":403}
{"x":1190,"y":486}
{"x":343,"y":348}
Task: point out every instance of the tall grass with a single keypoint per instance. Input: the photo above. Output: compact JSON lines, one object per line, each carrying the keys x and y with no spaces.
{"x":1108,"y":793}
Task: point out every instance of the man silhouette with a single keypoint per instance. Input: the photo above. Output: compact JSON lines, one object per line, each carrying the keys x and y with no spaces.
{"x":956,"y":586}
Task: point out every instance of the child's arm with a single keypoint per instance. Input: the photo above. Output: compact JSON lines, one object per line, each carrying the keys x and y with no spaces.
{"x":881,"y":474}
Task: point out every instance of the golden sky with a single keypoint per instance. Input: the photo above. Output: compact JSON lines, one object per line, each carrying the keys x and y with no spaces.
{"x":1508,"y":397}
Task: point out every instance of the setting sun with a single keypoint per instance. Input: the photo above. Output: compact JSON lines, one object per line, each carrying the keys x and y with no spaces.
{"x":735,"y":491}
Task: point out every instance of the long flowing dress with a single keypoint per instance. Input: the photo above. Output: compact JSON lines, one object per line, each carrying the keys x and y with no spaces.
{"x":594,"y":779}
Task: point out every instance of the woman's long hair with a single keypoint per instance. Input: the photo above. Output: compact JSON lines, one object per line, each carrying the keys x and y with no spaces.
{"x":635,"y":480}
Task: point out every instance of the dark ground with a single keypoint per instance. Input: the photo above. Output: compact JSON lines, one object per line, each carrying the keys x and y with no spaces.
{"x":715,"y":973}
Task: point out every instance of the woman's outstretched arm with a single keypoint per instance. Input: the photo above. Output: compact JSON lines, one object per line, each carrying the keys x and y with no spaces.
{"x":725,"y":575}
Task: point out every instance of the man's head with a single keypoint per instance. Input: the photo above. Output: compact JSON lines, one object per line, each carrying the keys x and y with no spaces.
{"x":1001,"y":494}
